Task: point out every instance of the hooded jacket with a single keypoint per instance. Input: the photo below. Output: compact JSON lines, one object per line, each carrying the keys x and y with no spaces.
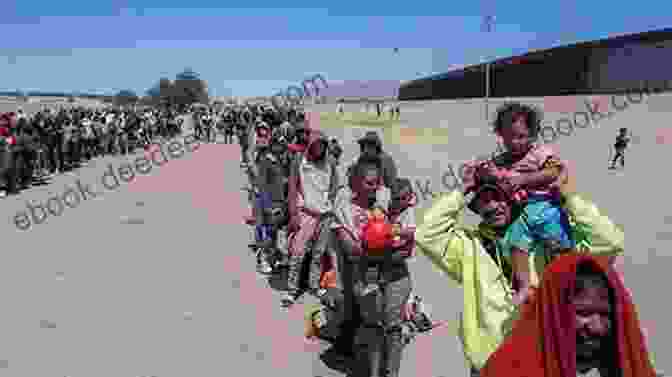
{"x":312,"y":183}
{"x":543,"y":340}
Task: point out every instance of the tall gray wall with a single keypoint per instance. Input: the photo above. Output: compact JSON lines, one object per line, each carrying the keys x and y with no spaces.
{"x":625,"y":68}
{"x":612,"y":67}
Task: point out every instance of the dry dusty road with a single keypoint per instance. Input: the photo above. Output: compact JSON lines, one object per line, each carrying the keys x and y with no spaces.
{"x":152,"y":278}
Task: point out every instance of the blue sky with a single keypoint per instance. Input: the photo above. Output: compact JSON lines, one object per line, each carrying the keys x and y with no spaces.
{"x":108,"y":45}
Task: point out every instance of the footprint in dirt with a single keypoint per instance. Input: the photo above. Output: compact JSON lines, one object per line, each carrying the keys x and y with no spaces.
{"x":46,"y":324}
{"x":132,"y":221}
{"x":664,"y":236}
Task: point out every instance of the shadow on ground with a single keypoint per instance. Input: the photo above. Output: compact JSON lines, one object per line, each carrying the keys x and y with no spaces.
{"x":334,"y":360}
{"x":278,"y":280}
{"x":330,"y":358}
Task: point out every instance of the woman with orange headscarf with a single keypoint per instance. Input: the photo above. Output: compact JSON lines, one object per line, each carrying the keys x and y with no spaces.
{"x":579,"y":322}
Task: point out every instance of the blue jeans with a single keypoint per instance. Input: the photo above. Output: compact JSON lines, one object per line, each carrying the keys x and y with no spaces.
{"x":263,"y":232}
{"x":542,"y":221}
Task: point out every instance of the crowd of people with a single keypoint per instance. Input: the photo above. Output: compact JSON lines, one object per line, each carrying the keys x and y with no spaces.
{"x":542,"y":294}
{"x":394,"y":110}
{"x":35,"y":147}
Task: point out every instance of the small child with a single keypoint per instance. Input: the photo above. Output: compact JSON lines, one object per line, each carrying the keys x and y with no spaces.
{"x":622,"y":141}
{"x":536,"y":173}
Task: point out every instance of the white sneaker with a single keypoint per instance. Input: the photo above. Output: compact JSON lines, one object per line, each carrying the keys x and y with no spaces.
{"x":282,"y":262}
{"x":288,"y":300}
{"x":264,"y":267}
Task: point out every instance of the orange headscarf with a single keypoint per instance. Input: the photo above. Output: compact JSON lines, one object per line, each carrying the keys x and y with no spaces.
{"x":543,"y":340}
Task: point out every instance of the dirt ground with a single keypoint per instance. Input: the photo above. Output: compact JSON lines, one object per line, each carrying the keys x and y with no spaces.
{"x":153,"y":278}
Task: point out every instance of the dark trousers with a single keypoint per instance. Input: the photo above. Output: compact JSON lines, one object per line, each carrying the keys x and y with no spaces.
{"x":209,"y":135}
{"x":7,"y":171}
{"x":620,"y":155}
{"x":244,"y":148}
{"x":25,"y":170}
{"x":228,"y":137}
{"x":56,"y":155}
{"x":309,"y":260}
{"x":379,"y":300}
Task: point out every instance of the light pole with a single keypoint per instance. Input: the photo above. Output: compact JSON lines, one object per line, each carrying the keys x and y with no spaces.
{"x":488,"y":26}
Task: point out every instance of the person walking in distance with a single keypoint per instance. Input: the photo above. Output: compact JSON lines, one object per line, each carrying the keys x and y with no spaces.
{"x":622,"y":141}
{"x":339,"y":108}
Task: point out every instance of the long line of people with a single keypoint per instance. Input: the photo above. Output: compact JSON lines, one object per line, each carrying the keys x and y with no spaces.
{"x":35,"y":147}
{"x":345,"y":239}
{"x":300,"y":200}
{"x":348,"y":239}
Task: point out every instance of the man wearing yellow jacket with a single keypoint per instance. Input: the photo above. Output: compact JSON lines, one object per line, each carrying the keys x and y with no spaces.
{"x":472,"y":257}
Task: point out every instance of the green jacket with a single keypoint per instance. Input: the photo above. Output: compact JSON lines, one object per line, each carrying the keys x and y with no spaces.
{"x":459,"y":252}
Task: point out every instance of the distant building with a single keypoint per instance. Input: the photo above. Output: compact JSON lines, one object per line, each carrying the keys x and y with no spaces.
{"x":355,"y":89}
{"x":607,"y":66}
